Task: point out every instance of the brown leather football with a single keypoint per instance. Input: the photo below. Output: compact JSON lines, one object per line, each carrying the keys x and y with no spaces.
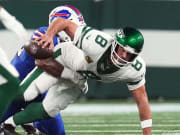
{"x":36,"y":51}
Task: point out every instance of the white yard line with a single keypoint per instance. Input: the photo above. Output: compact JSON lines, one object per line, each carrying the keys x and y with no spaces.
{"x":168,"y":132}
{"x":117,"y":108}
{"x":120,"y":131}
{"x":122,"y":125}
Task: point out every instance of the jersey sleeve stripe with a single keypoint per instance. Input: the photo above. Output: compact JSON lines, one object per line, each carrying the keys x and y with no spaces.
{"x":36,"y":73}
{"x":85,"y":31}
{"x":133,"y":83}
{"x":57,"y":53}
{"x":86,"y":27}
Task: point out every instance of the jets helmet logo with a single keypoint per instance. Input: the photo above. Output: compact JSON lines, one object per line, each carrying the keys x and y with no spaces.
{"x":121,"y":33}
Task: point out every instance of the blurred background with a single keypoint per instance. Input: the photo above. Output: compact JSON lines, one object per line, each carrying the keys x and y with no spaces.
{"x":158,"y":20}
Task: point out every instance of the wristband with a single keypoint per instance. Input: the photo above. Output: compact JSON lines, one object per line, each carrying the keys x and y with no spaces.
{"x":146,"y":123}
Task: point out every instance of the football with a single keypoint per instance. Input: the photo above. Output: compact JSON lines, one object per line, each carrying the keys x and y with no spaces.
{"x":36,"y":51}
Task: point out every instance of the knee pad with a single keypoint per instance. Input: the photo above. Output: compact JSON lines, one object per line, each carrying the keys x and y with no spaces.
{"x":52,"y":111}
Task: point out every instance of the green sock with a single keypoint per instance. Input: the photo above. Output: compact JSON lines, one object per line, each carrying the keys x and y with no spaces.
{"x":8,"y":90}
{"x":33,"y":112}
{"x":6,"y":97}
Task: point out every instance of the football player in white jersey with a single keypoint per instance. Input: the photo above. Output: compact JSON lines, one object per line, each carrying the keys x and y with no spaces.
{"x":92,"y":54}
{"x":109,"y":59}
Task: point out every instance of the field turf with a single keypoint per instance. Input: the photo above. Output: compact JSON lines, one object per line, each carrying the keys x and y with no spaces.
{"x":164,"y":123}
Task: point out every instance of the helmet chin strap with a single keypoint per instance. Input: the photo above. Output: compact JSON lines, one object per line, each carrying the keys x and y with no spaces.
{"x":118,"y":64}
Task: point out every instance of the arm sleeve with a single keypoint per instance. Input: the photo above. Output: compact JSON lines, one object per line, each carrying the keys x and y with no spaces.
{"x":138,"y":78}
{"x":11,"y":23}
{"x":135,"y":85}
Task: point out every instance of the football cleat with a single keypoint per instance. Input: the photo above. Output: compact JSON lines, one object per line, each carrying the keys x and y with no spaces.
{"x":30,"y":130}
{"x":40,"y":133}
{"x":8,"y":129}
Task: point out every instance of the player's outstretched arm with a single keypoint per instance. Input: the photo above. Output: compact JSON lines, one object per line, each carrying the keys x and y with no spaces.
{"x":50,"y":66}
{"x":141,"y":99}
{"x":11,"y":23}
{"x":60,"y":24}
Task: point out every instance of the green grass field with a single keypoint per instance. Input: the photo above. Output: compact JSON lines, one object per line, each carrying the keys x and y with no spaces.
{"x":164,"y":123}
{"x":167,"y":123}
{"x":114,"y":117}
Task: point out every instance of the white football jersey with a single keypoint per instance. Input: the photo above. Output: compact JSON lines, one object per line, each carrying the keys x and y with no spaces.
{"x":93,"y":59}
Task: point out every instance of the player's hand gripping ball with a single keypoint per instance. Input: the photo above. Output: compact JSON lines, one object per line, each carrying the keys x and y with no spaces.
{"x":36,"y":51}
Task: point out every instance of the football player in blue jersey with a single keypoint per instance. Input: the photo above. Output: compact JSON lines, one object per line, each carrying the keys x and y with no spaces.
{"x":25,"y":64}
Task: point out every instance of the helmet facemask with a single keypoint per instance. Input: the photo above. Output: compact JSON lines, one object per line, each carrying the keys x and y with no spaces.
{"x":126,"y":47}
{"x":118,"y":60}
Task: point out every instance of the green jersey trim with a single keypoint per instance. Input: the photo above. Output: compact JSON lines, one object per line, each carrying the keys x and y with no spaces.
{"x":32,"y":77}
{"x":37,"y":72}
{"x":85,"y":30}
{"x":85,"y":27}
{"x":57,"y":53}
{"x":133,"y":83}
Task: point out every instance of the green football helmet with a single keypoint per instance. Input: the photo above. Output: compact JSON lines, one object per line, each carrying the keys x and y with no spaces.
{"x":127,"y":39}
